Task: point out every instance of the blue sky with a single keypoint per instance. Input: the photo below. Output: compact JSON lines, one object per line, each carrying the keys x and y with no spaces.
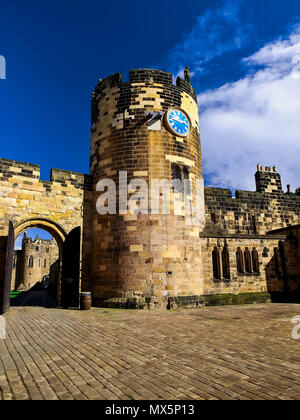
{"x":242,"y":54}
{"x":32,"y":233}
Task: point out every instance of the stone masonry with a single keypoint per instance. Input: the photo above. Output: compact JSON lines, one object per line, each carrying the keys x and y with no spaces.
{"x":142,"y":256}
{"x":154,"y":260}
{"x":33,"y":262}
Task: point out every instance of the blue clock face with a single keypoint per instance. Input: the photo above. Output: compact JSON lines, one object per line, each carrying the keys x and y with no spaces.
{"x":179,"y":122}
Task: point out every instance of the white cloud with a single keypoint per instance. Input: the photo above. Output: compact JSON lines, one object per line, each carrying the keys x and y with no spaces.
{"x":255,"y":119}
{"x":18,"y":243}
{"x":216,"y":32}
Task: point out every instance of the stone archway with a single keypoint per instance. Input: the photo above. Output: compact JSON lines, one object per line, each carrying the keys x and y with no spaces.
{"x":51,"y":227}
{"x":58,"y":206}
{"x":55,"y":230}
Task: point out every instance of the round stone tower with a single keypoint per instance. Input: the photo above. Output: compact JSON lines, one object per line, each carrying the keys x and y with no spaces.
{"x":144,"y":257}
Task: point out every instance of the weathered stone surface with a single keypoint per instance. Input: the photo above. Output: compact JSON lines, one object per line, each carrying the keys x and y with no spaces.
{"x":36,"y":259}
{"x":153,"y":258}
{"x":236,"y":352}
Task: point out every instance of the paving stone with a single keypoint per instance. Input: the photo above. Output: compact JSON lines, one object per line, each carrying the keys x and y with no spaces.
{"x":217,"y":353}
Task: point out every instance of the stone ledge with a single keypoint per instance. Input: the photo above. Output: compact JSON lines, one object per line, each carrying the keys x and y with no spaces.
{"x":218,"y":300}
{"x":188,"y":302}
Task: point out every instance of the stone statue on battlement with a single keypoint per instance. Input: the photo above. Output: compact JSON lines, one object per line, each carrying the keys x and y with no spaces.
{"x":187,"y":75}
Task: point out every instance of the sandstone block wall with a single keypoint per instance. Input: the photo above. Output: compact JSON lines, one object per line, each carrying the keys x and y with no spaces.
{"x":44,"y":254}
{"x":243,"y":223}
{"x":258,"y":212}
{"x":143,"y":256}
{"x":148,"y":256}
{"x":58,"y":205}
{"x":252,"y":281}
{"x":24,"y":196}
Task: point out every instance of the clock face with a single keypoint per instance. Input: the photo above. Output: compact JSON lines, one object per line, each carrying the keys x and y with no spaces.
{"x":178,"y":122}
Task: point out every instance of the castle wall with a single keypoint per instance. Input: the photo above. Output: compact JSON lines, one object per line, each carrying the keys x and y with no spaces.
{"x":24,"y":196}
{"x":243,"y":223}
{"x":251,"y":212}
{"x":65,"y":201}
{"x":286,"y":266}
{"x":143,"y":256}
{"x":255,"y":281}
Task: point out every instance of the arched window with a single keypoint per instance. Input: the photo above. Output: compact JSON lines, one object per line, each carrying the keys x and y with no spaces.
{"x":247,"y":258}
{"x":45,"y":263}
{"x":240,"y":261}
{"x":255,"y":261}
{"x":226,"y":264}
{"x":30,"y":263}
{"x":216,"y":264}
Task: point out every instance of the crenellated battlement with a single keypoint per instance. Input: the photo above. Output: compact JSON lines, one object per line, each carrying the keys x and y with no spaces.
{"x":253,"y":212}
{"x":28,"y":240}
{"x":12,"y":168}
{"x":77,"y":179}
{"x":8,"y":168}
{"x":268,"y":180}
{"x":145,"y":77}
{"x":25,"y":197}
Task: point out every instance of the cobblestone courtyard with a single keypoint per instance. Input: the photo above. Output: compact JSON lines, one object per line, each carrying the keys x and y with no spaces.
{"x":243,"y":352}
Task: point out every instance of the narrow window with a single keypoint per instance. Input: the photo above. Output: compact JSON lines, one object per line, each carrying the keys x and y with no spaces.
{"x":247,"y":257}
{"x":255,"y":261}
{"x":254,"y":226}
{"x":185,"y":175}
{"x":226,"y":264}
{"x":45,"y":263}
{"x":176,"y":172}
{"x":177,"y":178}
{"x":240,"y":261}
{"x":216,"y":264}
{"x":30,"y":264}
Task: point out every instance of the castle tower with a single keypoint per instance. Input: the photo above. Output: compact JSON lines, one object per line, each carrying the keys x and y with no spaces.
{"x":268,"y":180}
{"x":149,"y":128}
{"x":33,"y":262}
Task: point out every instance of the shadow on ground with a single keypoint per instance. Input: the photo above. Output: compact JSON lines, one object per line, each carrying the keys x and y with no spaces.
{"x":40,"y":298}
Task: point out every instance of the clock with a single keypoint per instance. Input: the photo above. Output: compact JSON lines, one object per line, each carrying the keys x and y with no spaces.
{"x":178,"y":122}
